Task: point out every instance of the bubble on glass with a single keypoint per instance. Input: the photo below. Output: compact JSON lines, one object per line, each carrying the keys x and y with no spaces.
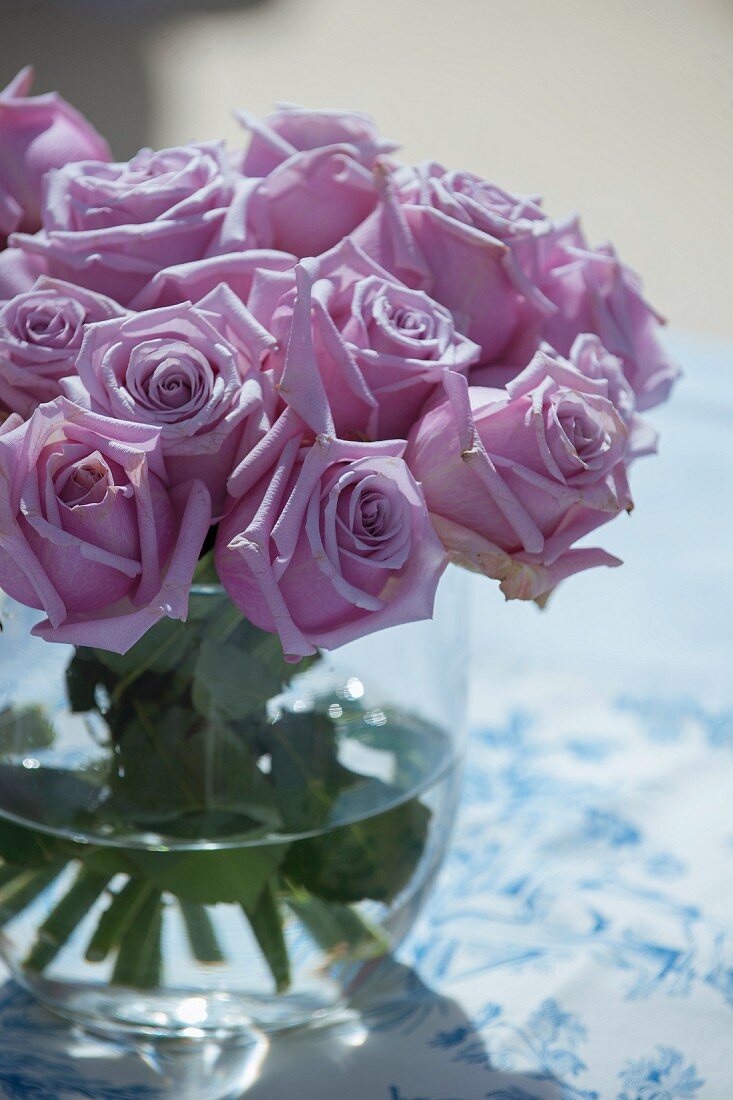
{"x":353,"y":689}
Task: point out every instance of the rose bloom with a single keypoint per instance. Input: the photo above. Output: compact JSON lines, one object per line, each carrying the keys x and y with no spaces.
{"x":309,"y":180}
{"x":37,"y":133}
{"x":468,"y":198}
{"x":437,"y":247}
{"x":290,"y":130}
{"x":336,"y":544}
{"x":514,"y":477}
{"x":190,"y":282}
{"x":193,"y":372}
{"x":40,"y":336}
{"x":111,"y":227}
{"x":305,"y":206}
{"x":594,"y":292}
{"x":358,"y":353}
{"x":92,"y":532}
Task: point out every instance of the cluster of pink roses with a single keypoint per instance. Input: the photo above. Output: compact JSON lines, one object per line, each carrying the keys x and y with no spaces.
{"x":354,"y":370}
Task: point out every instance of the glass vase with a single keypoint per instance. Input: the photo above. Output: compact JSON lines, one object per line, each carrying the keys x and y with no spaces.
{"x":198,"y":840}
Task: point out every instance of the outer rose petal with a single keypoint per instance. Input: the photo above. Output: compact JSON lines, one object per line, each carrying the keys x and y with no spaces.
{"x":461,"y":267}
{"x":37,"y":133}
{"x":169,"y":530}
{"x":190,"y":282}
{"x":293,"y":129}
{"x":118,"y":631}
{"x":310,"y":202}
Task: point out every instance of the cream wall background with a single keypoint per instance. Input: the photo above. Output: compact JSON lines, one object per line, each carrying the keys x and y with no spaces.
{"x":618,"y":108}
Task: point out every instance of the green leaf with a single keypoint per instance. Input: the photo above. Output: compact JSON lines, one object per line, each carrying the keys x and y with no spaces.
{"x":85,"y":673}
{"x":159,"y":650}
{"x":374,"y":858}
{"x":266,"y":922}
{"x":205,"y":572}
{"x":212,"y":876}
{"x":48,"y":796}
{"x":305,"y":769}
{"x":189,"y":776}
{"x":232,"y":683}
{"x":26,"y":847}
{"x":24,"y":728}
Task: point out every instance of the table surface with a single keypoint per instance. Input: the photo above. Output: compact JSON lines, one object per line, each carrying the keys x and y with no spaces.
{"x":579,"y":943}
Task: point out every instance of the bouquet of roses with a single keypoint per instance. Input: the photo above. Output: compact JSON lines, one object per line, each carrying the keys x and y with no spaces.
{"x":305,"y":371}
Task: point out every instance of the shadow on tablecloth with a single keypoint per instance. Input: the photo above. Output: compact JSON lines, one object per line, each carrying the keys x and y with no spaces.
{"x":399,"y":1051}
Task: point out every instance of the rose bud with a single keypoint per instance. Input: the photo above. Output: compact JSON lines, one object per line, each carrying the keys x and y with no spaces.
{"x":111,"y":227}
{"x":334,"y":544}
{"x":290,"y":130}
{"x":92,"y":532}
{"x":41,"y":332}
{"x":191,"y":371}
{"x":514,"y":477}
{"x":358,"y":353}
{"x":37,"y":133}
{"x":594,"y":292}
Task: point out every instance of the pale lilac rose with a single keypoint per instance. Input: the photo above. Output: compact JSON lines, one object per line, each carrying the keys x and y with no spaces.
{"x":37,"y":133}
{"x":472,"y":273}
{"x":18,"y":272}
{"x":335,"y":544}
{"x":191,"y":371}
{"x":589,"y":356}
{"x":514,"y":477}
{"x":358,"y":353}
{"x":112,"y":227}
{"x":305,"y":206}
{"x":41,"y":332}
{"x":8,"y":420}
{"x":594,"y":292}
{"x":291,"y":129}
{"x":469,"y":198}
{"x":92,"y":532}
{"x":192,"y":281}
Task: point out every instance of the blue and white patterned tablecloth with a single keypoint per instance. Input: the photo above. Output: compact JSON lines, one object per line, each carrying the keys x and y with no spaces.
{"x":579,"y":943}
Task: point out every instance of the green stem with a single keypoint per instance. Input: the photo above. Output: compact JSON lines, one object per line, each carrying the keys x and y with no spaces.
{"x":266,"y":922}
{"x":8,"y":874}
{"x":20,"y":892}
{"x":117,"y":918}
{"x":337,"y":929}
{"x":139,"y":957}
{"x":200,"y":931}
{"x":168,"y":763}
{"x":61,"y":923}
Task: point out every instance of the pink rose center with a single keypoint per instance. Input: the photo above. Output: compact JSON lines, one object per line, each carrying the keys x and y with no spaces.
{"x":586,"y":437}
{"x":372,"y":521}
{"x":54,"y":324}
{"x":85,"y":481}
{"x":170,"y":379}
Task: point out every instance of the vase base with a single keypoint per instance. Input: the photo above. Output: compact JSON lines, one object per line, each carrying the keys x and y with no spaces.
{"x":192,"y":1016}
